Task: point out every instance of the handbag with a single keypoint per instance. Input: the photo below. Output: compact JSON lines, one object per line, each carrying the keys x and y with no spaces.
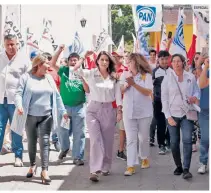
{"x":189,"y":112}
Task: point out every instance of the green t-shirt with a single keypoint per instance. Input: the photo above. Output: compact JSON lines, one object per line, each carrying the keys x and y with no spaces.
{"x":71,"y":88}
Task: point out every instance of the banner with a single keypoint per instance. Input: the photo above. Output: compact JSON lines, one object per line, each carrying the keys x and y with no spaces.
{"x":103,"y":41}
{"x":201,"y":25}
{"x":148,"y":16}
{"x":31,"y":40}
{"x":11,"y":27}
{"x":163,"y":44}
{"x":47,"y":35}
{"x":143,"y":46}
{"x":178,"y":45}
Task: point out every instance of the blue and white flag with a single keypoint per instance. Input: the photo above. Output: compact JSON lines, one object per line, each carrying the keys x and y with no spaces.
{"x":143,"y":46}
{"x":77,"y":45}
{"x":178,"y":45}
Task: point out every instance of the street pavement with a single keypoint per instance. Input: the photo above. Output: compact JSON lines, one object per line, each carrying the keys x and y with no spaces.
{"x":67,"y":176}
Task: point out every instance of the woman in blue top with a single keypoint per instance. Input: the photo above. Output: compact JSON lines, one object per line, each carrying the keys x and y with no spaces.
{"x":37,"y":101}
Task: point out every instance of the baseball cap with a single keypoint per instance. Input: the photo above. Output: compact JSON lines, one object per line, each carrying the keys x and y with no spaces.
{"x":33,"y":54}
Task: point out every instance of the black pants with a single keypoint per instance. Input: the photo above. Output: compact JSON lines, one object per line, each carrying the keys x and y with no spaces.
{"x":153,"y":127}
{"x":162,"y":131}
{"x":37,"y":126}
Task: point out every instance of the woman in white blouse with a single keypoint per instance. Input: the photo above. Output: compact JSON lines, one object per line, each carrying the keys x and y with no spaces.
{"x":136,"y":84}
{"x":101,"y":117}
{"x":178,"y":89}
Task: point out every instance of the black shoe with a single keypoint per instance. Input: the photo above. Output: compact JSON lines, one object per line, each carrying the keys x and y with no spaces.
{"x":187,"y":174}
{"x":178,"y":171}
{"x":151,"y":144}
{"x":63,"y":154}
{"x":162,"y":150}
{"x":78,"y":162}
{"x":121,"y":155}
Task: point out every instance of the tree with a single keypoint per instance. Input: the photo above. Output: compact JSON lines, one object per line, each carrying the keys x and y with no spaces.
{"x":122,"y":25}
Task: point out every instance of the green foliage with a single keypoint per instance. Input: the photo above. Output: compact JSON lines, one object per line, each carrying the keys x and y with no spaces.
{"x":123,"y":25}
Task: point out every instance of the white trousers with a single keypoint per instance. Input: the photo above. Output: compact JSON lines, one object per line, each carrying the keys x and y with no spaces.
{"x":137,"y":129}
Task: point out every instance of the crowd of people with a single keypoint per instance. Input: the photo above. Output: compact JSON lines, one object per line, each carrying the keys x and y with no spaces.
{"x":42,"y":97}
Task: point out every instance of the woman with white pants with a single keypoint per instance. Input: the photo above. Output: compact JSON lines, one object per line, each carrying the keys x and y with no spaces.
{"x":137,"y":107}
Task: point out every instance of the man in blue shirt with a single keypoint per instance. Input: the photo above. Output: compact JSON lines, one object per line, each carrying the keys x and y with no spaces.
{"x":204,"y":117}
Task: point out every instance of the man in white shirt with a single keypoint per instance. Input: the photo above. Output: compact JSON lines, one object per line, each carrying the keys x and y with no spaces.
{"x":13,"y":64}
{"x":152,"y":59}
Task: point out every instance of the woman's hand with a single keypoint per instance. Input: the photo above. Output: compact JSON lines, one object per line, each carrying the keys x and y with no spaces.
{"x":192,"y":100}
{"x":130,"y":81}
{"x":171,"y":121}
{"x":119,"y":116}
{"x":66,"y":116}
{"x":20,"y":111}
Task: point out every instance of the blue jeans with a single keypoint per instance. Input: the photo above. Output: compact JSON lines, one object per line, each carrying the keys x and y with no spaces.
{"x":204,"y":142}
{"x":77,"y":128}
{"x":174,"y":131}
{"x":7,"y":112}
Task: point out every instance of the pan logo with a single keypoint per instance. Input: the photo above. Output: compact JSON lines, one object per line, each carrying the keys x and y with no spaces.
{"x":146,"y":15}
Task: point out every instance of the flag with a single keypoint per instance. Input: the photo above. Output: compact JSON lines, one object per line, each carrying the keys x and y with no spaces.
{"x":135,"y":44}
{"x":47,"y":41}
{"x":90,"y":61}
{"x":121,"y":47}
{"x":178,"y":45}
{"x":77,"y":45}
{"x":31,"y":40}
{"x":103,"y":41}
{"x":192,"y":49}
{"x":158,"y":44}
{"x":163,"y":44}
{"x":120,"y":13}
{"x":11,"y":27}
{"x":143,"y":46}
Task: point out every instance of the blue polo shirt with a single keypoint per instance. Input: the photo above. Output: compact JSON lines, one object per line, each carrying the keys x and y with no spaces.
{"x":204,"y":100}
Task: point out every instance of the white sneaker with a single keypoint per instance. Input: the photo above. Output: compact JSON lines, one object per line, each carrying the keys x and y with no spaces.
{"x":18,"y":162}
{"x":202,"y":169}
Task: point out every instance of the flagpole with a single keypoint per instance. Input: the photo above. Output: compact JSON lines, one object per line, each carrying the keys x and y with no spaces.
{"x":109,"y":26}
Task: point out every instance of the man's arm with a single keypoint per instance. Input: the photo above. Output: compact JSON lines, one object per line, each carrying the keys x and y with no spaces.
{"x":54,"y":59}
{"x":203,"y":79}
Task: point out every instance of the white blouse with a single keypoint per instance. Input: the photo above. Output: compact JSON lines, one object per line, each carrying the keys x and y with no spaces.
{"x":135,"y":104}
{"x":101,"y":90}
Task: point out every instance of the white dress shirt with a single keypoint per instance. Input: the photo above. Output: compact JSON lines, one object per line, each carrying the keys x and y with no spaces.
{"x":170,"y":96}
{"x":10,"y":73}
{"x":101,"y":90}
{"x":135,"y":104}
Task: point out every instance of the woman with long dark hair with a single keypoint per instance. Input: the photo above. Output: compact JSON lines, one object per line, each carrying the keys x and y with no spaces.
{"x":101,"y":117}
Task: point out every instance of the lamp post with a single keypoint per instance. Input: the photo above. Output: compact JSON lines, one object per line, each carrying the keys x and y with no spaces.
{"x":83,"y":22}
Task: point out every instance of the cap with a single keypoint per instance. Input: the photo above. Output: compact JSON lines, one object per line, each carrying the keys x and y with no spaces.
{"x":33,"y":54}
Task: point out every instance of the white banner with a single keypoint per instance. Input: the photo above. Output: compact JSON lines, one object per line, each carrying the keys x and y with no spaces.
{"x":148,"y":16}
{"x":11,"y":27}
{"x":201,"y":25}
{"x":103,"y":41}
{"x":163,"y":43}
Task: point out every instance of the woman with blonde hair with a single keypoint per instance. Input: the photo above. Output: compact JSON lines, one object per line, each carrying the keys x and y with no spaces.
{"x":137,"y":107}
{"x":37,"y":101}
